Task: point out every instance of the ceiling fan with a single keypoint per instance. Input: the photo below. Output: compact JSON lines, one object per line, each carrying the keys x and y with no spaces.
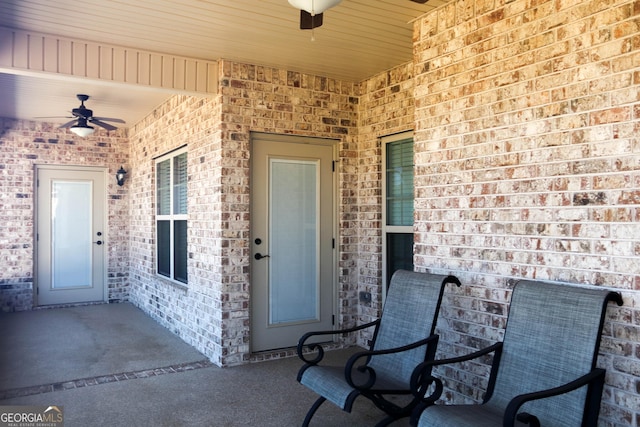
{"x":82,"y":116}
{"x":311,"y":11}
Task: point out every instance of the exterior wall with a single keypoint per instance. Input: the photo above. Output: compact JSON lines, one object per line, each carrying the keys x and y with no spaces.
{"x":24,"y":145}
{"x":528,"y":166}
{"x":386,"y":108}
{"x":264,"y":99}
{"x":212,"y":312}
{"x":192,"y":312}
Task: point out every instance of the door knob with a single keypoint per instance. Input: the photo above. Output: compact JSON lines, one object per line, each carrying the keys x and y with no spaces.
{"x":260,"y":256}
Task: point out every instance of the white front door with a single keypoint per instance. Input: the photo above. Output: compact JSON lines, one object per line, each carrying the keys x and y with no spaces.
{"x":292,"y":225}
{"x":70,"y":235}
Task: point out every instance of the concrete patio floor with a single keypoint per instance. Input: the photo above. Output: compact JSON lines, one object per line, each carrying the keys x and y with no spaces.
{"x":112,"y":365}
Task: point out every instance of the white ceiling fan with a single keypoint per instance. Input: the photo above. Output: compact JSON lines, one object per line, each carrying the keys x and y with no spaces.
{"x":311,"y":11}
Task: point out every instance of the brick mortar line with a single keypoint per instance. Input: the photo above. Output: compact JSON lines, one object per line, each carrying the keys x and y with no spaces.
{"x":103,"y":379}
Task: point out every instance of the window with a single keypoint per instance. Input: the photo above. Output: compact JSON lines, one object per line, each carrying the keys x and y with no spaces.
{"x":171,"y":215}
{"x":397,"y":189}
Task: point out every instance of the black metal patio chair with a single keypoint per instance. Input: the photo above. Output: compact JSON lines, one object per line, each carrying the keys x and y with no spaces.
{"x":544,"y":372}
{"x":403,"y":338}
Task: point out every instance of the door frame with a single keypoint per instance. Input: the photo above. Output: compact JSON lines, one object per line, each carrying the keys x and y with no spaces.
{"x":70,"y":168}
{"x":300,"y":139}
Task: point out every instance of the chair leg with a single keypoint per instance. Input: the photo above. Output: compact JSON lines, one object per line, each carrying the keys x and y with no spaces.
{"x":313,"y":410}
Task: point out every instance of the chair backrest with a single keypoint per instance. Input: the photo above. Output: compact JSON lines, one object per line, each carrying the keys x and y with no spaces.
{"x":552,"y":337}
{"x":410,"y":313}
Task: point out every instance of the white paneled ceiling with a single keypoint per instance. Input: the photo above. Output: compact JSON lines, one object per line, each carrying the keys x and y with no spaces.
{"x":359,"y":38}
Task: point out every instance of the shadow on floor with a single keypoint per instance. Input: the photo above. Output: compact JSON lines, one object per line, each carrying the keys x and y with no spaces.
{"x":111,"y":365}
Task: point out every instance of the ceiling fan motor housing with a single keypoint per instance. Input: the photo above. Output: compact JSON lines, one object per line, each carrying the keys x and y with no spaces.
{"x":82,"y":112}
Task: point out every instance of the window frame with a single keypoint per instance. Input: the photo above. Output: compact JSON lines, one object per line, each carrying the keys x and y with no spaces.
{"x":392,"y":229}
{"x":172,"y":217}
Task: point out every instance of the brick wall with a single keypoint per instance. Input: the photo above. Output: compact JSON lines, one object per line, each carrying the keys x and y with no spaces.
{"x":528,"y":165}
{"x":264,"y":99}
{"x":386,"y":108}
{"x":192,"y":312}
{"x":26,"y":144}
{"x":212,"y":312}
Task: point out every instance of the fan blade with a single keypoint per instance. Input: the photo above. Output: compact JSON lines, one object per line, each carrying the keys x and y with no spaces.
{"x":108,"y":119}
{"x":309,"y":21}
{"x":69,"y":124}
{"x":54,"y":117}
{"x":107,"y":126}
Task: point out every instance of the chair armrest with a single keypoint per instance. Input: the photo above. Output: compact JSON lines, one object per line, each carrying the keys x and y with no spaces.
{"x":431,"y":340}
{"x":492,"y":348}
{"x":318,"y":347}
{"x":421,"y":376}
{"x":425,"y":367}
{"x":596,"y":376}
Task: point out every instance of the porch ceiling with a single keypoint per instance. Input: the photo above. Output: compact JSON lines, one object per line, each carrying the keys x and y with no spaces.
{"x":359,"y":38}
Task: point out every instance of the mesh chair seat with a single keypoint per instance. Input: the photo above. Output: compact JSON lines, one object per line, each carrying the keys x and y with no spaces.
{"x":472,"y":415}
{"x":329,"y":381}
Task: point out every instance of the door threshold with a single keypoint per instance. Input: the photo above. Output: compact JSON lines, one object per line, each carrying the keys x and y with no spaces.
{"x":282,"y":353}
{"x":68,"y":305}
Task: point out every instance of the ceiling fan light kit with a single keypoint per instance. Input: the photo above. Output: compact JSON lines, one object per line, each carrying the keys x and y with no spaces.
{"x":82,"y":131}
{"x":314,"y":6}
{"x":311,"y":12}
